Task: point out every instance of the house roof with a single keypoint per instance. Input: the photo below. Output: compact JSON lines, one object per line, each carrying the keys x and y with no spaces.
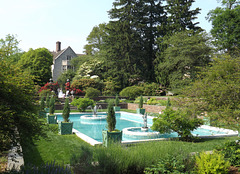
{"x":57,"y":54}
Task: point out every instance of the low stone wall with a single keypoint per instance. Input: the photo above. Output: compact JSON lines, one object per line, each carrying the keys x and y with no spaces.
{"x":149,"y":108}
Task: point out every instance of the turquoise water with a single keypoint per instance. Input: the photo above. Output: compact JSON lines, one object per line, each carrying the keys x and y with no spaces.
{"x":94,"y":129}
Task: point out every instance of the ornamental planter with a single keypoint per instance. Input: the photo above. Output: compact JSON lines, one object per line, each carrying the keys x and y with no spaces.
{"x":65,"y":128}
{"x":116,"y":108}
{"x":111,"y":137}
{"x":140,"y":111}
{"x":51,"y":119}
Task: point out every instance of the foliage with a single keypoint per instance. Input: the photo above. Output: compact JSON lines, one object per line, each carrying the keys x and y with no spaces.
{"x":137,"y":100}
{"x":38,"y":62}
{"x":47,"y":101}
{"x":50,"y":86}
{"x":76,"y":91}
{"x":231,"y":152}
{"x":83,"y":84}
{"x":44,"y":93}
{"x":217,"y":92}
{"x":49,"y":167}
{"x":154,"y":101}
{"x":92,"y":92}
{"x":18,"y":109}
{"x":92,"y":66}
{"x":170,"y":164}
{"x":141,"y":102}
{"x":176,"y":121}
{"x":181,"y":16}
{"x":132,"y":92}
{"x":62,"y":79}
{"x":152,"y":89}
{"x":211,"y":163}
{"x":185,"y":53}
{"x":95,"y":39}
{"x":225,"y":26}
{"x":66,"y":110}
{"x":42,"y":103}
{"x":82,"y":103}
{"x":109,"y":88}
{"x":116,"y":101}
{"x":111,"y":118}
{"x":9,"y":50}
{"x":52,"y":105}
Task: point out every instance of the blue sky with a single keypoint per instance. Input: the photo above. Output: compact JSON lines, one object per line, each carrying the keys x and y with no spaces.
{"x":40,"y":23}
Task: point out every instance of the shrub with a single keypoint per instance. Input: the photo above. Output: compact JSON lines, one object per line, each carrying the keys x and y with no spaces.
{"x":109,"y":88}
{"x":111,"y":118}
{"x":51,"y":167}
{"x":169,"y":164}
{"x":176,"y":121}
{"x":132,"y":92}
{"x":52,"y":106}
{"x":83,"y":84}
{"x":42,"y":103}
{"x":82,"y":103}
{"x":153,"y":89}
{"x":137,"y":100}
{"x":140,"y":102}
{"x":47,"y":101}
{"x":231,"y":152}
{"x":211,"y":163}
{"x":91,"y":93}
{"x":66,"y":110}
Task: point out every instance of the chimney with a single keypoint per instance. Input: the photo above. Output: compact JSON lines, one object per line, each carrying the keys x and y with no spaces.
{"x":58,"y":46}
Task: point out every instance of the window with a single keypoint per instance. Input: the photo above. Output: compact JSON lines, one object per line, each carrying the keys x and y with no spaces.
{"x":69,"y":57}
{"x":64,"y":67}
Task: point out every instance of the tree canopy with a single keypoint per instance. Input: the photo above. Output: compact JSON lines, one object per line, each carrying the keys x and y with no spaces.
{"x":226,"y":26}
{"x":38,"y":62}
{"x":16,"y":104}
{"x":186,"y":52}
{"x":217,"y":91}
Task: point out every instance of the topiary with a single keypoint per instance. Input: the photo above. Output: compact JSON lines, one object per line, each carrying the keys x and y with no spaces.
{"x":66,"y":110}
{"x":111,"y":118}
{"x":42,"y":103}
{"x":52,"y":106}
{"x":47,"y":101}
{"x":116,"y":101}
{"x":140,"y":102}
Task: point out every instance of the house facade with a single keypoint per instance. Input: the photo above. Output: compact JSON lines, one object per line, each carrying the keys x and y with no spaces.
{"x":61,"y":60}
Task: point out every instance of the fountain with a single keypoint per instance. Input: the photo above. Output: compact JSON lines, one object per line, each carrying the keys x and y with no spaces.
{"x":94,"y":116}
{"x":144,"y":128}
{"x":141,"y":132}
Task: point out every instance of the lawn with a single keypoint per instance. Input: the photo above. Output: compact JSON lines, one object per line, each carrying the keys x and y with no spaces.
{"x":60,"y":148}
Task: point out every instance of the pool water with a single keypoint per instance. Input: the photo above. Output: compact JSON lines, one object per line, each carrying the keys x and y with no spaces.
{"x":94,"y":128}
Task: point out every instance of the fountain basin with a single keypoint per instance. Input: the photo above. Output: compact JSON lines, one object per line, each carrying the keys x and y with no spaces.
{"x":137,"y":132}
{"x":93,"y":117}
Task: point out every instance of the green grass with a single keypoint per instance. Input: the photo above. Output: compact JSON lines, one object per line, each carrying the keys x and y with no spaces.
{"x":99,"y":110}
{"x":53,"y":147}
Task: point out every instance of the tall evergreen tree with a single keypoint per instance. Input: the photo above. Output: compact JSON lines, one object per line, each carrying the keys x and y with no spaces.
{"x":180,"y":16}
{"x":134,"y":32}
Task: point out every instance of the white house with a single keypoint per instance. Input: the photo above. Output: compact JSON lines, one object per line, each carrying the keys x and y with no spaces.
{"x":61,"y":60}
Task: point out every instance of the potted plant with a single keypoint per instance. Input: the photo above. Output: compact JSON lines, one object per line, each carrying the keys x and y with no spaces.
{"x":65,"y":127}
{"x":46,"y":109}
{"x":42,"y":113}
{"x":51,"y":117}
{"x":140,"y":110}
{"x":116,"y":107}
{"x":111,"y":135}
